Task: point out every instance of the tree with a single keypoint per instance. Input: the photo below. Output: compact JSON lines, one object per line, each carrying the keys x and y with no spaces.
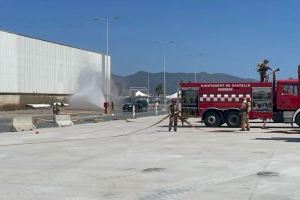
{"x":159,"y":89}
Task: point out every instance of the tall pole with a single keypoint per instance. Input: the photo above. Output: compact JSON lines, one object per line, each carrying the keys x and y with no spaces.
{"x":148,"y":85}
{"x":106,"y":63}
{"x":195,"y":67}
{"x":165,"y":102}
{"x":106,"y":36}
{"x":164,"y":45}
{"x":106,"y":56}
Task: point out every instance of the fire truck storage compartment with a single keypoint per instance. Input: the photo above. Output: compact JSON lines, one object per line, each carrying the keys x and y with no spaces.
{"x":262,"y":99}
{"x":189,"y":102}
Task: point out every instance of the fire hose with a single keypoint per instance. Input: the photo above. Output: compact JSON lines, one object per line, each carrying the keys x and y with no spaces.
{"x":181,"y":118}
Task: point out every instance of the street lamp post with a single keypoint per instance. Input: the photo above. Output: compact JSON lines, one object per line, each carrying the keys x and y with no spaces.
{"x":195,"y":67}
{"x":105,"y":19}
{"x":164,"y":45}
{"x":148,"y":74}
{"x":165,"y":103}
{"x":148,"y":85}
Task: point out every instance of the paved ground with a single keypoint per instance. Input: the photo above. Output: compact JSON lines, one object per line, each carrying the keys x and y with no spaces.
{"x":128,"y":160}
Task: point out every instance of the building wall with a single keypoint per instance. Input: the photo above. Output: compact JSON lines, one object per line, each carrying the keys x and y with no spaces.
{"x":32,"y":66}
{"x":23,"y":99}
{"x":9,"y":99}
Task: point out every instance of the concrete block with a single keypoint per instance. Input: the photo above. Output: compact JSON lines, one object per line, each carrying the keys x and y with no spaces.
{"x":63,"y":120}
{"x":22,"y":124}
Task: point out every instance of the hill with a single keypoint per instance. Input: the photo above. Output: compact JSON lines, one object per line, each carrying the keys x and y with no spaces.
{"x":140,"y":79}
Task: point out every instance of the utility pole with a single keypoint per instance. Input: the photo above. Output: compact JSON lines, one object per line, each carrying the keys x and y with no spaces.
{"x":105,"y":19}
{"x":164,"y":45}
{"x":195,"y":65}
{"x":148,"y":85}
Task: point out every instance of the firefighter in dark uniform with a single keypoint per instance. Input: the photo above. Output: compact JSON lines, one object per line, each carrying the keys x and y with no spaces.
{"x":262,"y":69}
{"x":112,"y":107}
{"x":105,"y":105}
{"x":173,"y":116}
{"x":55,"y":109}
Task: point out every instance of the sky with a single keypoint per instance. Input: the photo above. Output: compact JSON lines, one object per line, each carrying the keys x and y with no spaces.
{"x":213,"y":36}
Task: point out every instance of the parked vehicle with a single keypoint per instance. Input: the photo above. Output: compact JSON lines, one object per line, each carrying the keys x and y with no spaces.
{"x":140,"y":105}
{"x":128,"y":107}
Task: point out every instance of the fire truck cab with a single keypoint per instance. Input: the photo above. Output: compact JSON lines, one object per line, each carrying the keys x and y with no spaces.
{"x":287,"y":102}
{"x":219,"y":103}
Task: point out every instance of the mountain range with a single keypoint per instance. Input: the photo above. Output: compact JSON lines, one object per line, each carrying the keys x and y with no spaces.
{"x":140,"y":79}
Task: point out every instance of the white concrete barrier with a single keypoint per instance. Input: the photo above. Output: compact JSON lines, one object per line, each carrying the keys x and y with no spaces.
{"x":63,"y":120}
{"x":22,"y":124}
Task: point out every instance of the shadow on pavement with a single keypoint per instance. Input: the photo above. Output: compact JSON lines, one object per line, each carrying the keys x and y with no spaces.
{"x":285,"y":139}
{"x":179,"y":126}
{"x":226,"y":127}
{"x":268,"y":126}
{"x":164,"y":131}
{"x":222,"y":131}
{"x":294,"y":131}
{"x":207,"y":129}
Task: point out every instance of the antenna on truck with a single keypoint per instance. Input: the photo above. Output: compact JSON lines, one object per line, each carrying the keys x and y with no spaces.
{"x":274,"y":76}
{"x":274,"y":84}
{"x":299,"y":72}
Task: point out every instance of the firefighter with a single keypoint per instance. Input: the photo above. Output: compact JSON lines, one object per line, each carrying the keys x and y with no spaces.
{"x":112,"y":108}
{"x":173,"y":116}
{"x":264,"y":120}
{"x":245,"y":109}
{"x":105,"y":107}
{"x":247,"y":117}
{"x":133,"y":111}
{"x":156,"y":108}
{"x":55,"y":109}
{"x":180,"y":114}
{"x":262,"y":69}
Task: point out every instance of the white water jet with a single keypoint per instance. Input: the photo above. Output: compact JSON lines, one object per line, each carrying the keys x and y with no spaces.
{"x":90,"y":90}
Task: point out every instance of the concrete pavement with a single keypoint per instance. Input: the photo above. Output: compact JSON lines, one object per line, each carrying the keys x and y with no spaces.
{"x":128,"y":160}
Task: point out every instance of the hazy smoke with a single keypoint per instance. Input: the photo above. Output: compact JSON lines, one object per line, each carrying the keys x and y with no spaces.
{"x":117,"y":89}
{"x":90,"y":90}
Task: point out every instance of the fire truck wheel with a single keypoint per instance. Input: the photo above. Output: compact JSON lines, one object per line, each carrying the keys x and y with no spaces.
{"x":297,"y":119}
{"x":212,"y":119}
{"x":233,"y":119}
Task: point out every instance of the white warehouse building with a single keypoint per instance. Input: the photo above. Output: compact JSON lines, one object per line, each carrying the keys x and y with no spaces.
{"x":39,"y":71}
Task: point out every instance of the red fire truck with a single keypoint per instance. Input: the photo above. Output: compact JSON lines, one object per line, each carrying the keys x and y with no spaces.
{"x":219,"y":103}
